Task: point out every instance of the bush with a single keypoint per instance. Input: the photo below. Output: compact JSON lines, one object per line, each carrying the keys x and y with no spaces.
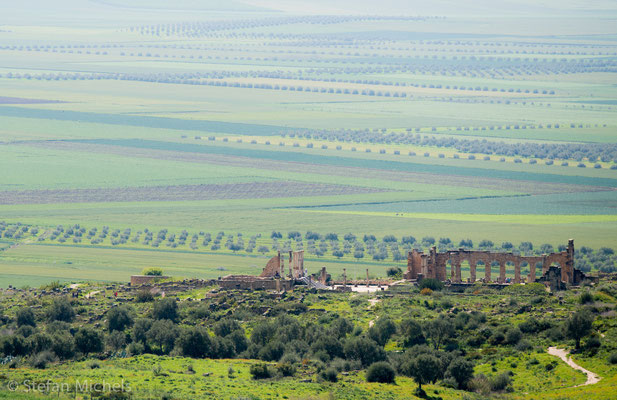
{"x":116,"y":340}
{"x":381,"y":372}
{"x":152,"y":271}
{"x":63,"y":345}
{"x":381,"y":332}
{"x":612,"y":358}
{"x":501,"y":382}
{"x":394,"y":271}
{"x":272,"y":351}
{"x":42,"y":359}
{"x":585,"y":298}
{"x":260,"y":371}
{"x":513,"y":336}
{"x":165,"y":309}
{"x":286,"y":369}
{"x":195,"y":342}
{"x":461,"y":371}
{"x":119,"y":318}
{"x":88,"y":341}
{"x":431,"y":283}
{"x":25,"y":316}
{"x":144,"y":296}
{"x":60,"y":310}
{"x":365,"y":350}
{"x":136,"y":348}
{"x":12,"y":345}
{"x":523,"y":345}
{"x":329,"y":374}
{"x":480,"y":384}
{"x":426,"y":292}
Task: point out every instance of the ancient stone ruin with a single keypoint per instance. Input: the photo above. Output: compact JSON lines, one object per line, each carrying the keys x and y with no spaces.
{"x":276,"y":266}
{"x":272,"y":277}
{"x":435,"y":265}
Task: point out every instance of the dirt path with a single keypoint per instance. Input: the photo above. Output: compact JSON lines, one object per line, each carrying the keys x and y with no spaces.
{"x":372,"y":302}
{"x":563,"y":354}
{"x":92,"y":294}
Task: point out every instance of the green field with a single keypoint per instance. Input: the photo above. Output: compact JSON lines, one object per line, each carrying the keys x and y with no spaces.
{"x":251,"y":119}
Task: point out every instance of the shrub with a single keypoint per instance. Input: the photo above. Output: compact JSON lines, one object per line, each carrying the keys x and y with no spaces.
{"x":585,"y":298}
{"x":194,"y":342}
{"x":329,"y":374}
{"x":381,"y":372}
{"x":63,"y":345}
{"x":25,"y":316}
{"x":365,"y":350}
{"x":260,"y":371}
{"x":513,"y":336}
{"x":119,"y":318}
{"x":480,"y":384}
{"x":116,"y":340}
{"x":152,"y":271}
{"x":165,"y":309}
{"x":38,"y":342}
{"x":612,"y":358}
{"x":60,"y":310}
{"x":163,"y":334}
{"x":88,"y":341}
{"x":381,"y":332}
{"x":523,"y":345}
{"x":144,"y":296}
{"x":12,"y":345}
{"x":272,"y":351}
{"x":42,"y":359}
{"x":136,"y":348}
{"x":394,"y":271}
{"x":461,"y":371}
{"x":286,"y":369}
{"x":426,"y":292}
{"x":501,"y":382}
{"x":431,"y":283}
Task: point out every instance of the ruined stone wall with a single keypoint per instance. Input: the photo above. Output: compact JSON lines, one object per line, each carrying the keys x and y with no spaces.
{"x":249,"y":282}
{"x":273,"y":267}
{"x":137,"y":280}
{"x":434,"y":264}
{"x":297,"y":263}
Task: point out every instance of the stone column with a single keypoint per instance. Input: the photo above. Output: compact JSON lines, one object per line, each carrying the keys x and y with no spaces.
{"x":567,"y":270}
{"x":452,"y":271}
{"x":472,"y":272}
{"x":344,"y":277}
{"x":517,"y":272}
{"x":502,"y":272}
{"x":367,"y":277}
{"x":323,"y":277}
{"x":532,"y":272}
{"x":487,"y":271}
{"x":458,"y":276}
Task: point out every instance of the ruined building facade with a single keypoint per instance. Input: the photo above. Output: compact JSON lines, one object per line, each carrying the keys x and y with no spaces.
{"x":435,"y":265}
{"x":276,"y":266}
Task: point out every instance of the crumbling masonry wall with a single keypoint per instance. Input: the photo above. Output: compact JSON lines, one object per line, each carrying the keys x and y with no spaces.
{"x":276,"y":266}
{"x":434,"y":264}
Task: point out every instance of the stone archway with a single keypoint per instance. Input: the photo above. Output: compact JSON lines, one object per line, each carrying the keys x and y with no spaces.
{"x":511,"y":265}
{"x":487,"y":269}
{"x":472,"y":271}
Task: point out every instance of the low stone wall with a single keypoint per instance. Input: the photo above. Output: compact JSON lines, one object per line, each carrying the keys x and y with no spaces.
{"x":248,"y":282}
{"x":137,"y":280}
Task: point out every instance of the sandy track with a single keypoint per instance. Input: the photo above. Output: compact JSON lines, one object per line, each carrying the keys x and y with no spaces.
{"x":564,"y":355}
